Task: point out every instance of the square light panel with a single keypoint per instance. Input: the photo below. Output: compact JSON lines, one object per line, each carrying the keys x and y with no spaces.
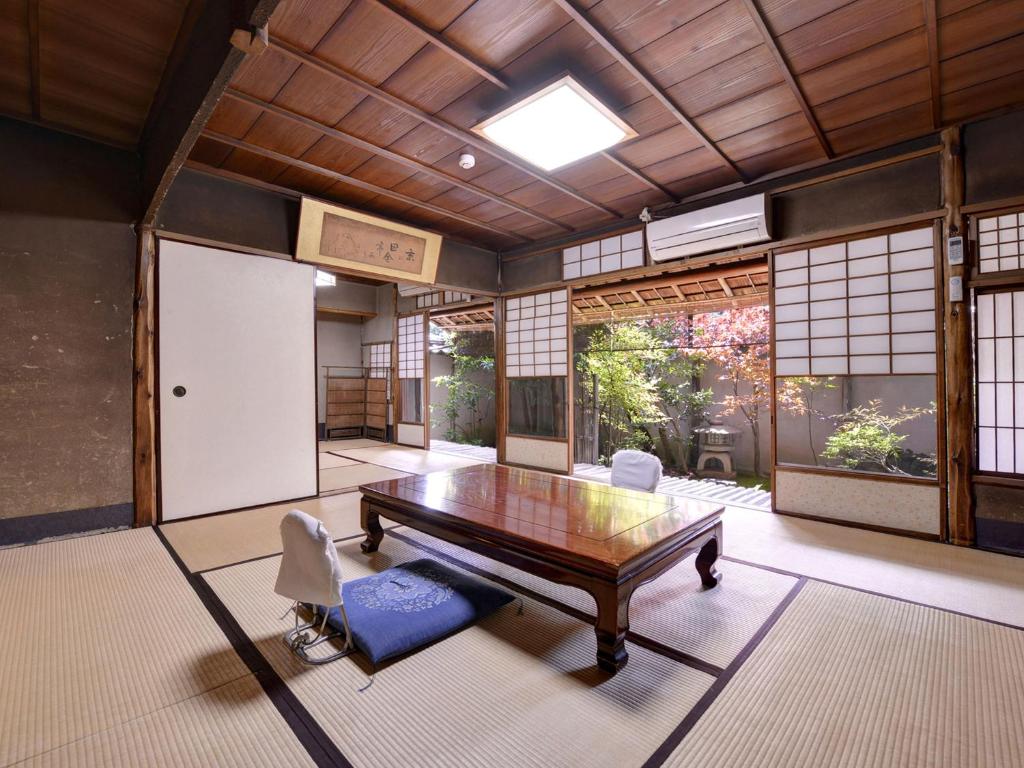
{"x":555,"y":126}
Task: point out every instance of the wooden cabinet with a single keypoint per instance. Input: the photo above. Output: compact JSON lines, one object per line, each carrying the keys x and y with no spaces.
{"x":357,"y":406}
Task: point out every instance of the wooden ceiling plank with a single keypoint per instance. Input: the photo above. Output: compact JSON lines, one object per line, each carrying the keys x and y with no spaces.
{"x":432,"y":120}
{"x":356,"y":182}
{"x":623,"y":58}
{"x":787,"y":74}
{"x":197,"y":84}
{"x":725,"y":286}
{"x":439,"y":40}
{"x":395,"y":157}
{"x":934,"y":72}
{"x":33,"y":57}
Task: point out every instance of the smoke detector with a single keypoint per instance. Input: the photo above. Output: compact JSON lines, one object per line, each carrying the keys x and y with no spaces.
{"x":466,"y":161}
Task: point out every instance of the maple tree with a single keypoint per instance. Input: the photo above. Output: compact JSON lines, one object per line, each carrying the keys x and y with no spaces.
{"x":737,"y":341}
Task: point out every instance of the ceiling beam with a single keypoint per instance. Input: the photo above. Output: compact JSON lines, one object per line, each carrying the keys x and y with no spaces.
{"x":725,"y":285}
{"x":432,"y":120}
{"x":222,"y":35}
{"x":639,"y":175}
{"x":33,"y":58}
{"x":395,"y":157}
{"x":931,"y":23}
{"x":659,"y":93}
{"x":788,"y":76}
{"x":353,"y":181}
{"x":438,"y":40}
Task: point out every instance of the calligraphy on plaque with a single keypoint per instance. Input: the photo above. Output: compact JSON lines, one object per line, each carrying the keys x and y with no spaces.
{"x":337,"y":237}
{"x":369,"y":244}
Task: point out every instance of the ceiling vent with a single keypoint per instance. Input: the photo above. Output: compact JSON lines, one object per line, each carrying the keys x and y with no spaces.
{"x":729,"y":225}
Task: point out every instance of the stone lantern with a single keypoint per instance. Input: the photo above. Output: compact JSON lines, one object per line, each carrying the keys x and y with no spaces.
{"x":716,"y":442}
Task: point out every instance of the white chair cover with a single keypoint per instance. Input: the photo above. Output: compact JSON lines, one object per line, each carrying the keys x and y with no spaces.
{"x":310,"y":570}
{"x":636,"y":470}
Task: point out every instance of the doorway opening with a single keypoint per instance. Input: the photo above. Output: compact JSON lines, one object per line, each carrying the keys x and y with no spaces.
{"x":678,"y":366}
{"x":463,"y":419}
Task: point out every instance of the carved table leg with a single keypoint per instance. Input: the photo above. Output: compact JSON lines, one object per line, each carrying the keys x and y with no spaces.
{"x":706,"y":558}
{"x":612,"y":625}
{"x":371,"y":525}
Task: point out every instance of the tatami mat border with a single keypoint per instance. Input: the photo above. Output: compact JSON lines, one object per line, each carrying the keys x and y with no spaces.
{"x":669,"y":745}
{"x":274,"y":554}
{"x":317,"y":743}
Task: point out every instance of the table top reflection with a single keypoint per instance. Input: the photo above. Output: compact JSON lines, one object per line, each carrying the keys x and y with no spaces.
{"x":589,"y":520}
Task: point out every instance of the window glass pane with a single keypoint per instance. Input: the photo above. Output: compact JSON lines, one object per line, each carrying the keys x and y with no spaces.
{"x":412,"y":400}
{"x":862,"y":423}
{"x":536,"y":407}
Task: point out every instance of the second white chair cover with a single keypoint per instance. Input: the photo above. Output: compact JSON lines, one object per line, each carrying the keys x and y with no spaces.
{"x":636,"y":470}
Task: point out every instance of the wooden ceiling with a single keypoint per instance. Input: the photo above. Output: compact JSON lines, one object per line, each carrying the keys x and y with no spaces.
{"x":88,"y":67}
{"x":369,"y":102}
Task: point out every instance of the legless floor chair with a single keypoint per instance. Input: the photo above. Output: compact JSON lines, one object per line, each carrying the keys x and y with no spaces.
{"x":310,"y":574}
{"x":384,"y":615}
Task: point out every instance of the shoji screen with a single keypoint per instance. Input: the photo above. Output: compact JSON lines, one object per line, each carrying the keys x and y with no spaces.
{"x":538,"y":430}
{"x":859,"y":307}
{"x":413,"y":413}
{"x":1000,"y":374}
{"x":856,"y":358}
{"x":1001,"y":242}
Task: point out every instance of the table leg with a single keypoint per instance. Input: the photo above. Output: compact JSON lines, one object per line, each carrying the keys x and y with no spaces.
{"x":371,"y":525}
{"x":706,"y":558}
{"x":612,"y":625}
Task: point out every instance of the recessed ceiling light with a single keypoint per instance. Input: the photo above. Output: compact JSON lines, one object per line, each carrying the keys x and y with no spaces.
{"x":555,"y":126}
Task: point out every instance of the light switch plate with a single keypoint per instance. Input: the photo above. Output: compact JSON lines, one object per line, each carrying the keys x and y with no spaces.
{"x":956,"y":289}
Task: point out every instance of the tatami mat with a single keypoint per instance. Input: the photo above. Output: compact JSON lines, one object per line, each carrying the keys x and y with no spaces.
{"x":344,"y":445}
{"x":849,"y":679}
{"x":234,"y":726}
{"x":711,"y":624}
{"x":514,"y":690}
{"x":100,"y":631}
{"x":210,"y":542}
{"x":351,"y":477}
{"x":413,"y":460}
{"x":963,"y":579}
{"x":330,"y":460}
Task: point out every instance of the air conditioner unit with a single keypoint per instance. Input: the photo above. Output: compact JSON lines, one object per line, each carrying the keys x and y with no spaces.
{"x":408,"y":289}
{"x":729,"y":225}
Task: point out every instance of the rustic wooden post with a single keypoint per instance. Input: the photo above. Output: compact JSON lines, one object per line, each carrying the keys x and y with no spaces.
{"x":959,"y":410}
{"x":144,"y":384}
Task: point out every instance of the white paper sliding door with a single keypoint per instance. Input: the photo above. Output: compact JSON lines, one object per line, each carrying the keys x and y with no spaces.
{"x":413,"y":426}
{"x":237,"y":374}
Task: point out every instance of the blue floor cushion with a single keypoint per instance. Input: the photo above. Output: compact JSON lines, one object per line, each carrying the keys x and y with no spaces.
{"x":410,"y":605}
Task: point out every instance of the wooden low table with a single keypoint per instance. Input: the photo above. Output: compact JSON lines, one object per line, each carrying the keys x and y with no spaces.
{"x":607,"y":541}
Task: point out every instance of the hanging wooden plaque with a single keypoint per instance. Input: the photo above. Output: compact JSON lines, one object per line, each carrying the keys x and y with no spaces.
{"x":337,"y":237}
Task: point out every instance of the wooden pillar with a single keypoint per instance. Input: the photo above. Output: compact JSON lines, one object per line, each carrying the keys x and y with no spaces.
{"x":144,"y":385}
{"x":959,"y":409}
{"x":500,"y":391}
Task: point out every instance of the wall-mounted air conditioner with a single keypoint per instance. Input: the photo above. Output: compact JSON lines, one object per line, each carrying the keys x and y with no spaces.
{"x":408,"y":289}
{"x":729,"y":225}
